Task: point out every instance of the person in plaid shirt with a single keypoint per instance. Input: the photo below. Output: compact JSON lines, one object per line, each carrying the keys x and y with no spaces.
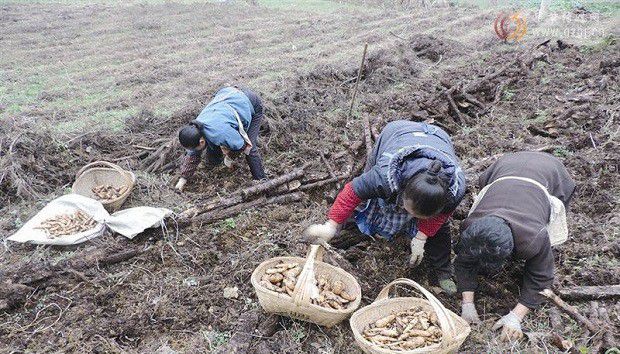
{"x":226,"y":128}
{"x":412,"y":183}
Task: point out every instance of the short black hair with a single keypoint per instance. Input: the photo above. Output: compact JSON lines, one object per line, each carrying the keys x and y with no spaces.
{"x":488,"y":240}
{"x":189,"y":136}
{"x":427,"y":191}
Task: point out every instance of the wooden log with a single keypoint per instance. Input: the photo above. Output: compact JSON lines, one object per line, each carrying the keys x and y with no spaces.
{"x":305,"y":187}
{"x":220,"y":214}
{"x":239,"y":196}
{"x":23,"y":280}
{"x":273,"y":183}
{"x":590,"y":292}
{"x":569,"y":310}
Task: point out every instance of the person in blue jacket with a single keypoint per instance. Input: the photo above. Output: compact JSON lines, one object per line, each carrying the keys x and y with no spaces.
{"x":227,"y":127}
{"x":412,"y":183}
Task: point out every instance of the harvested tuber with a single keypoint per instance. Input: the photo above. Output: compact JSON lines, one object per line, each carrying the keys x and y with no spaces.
{"x":67,"y":224}
{"x":405,"y":330}
{"x":282,"y":278}
{"x":106,"y":192}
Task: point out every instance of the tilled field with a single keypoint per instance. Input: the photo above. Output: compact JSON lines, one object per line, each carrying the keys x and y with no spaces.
{"x":164,"y":290}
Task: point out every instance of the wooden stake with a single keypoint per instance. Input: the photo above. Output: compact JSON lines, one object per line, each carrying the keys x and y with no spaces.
{"x":359,"y":75}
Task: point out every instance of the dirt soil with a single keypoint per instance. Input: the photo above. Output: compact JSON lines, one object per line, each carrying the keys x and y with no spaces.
{"x":164,"y":290}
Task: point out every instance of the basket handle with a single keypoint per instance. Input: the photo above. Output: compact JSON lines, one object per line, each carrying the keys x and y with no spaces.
{"x":446,"y":322}
{"x":115,"y":167}
{"x":301,"y":295}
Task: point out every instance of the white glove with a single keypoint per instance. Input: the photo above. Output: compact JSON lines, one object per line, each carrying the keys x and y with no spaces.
{"x":181,"y":184}
{"x":319,"y":233}
{"x":469,"y":313}
{"x":511,"y":327}
{"x":417,"y":251}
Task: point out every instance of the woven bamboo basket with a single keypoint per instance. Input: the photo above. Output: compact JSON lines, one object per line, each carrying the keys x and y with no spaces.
{"x":299,"y":306}
{"x":100,"y":173}
{"x":455,"y":329}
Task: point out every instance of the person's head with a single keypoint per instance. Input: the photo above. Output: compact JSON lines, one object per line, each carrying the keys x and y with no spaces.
{"x":487,"y":241}
{"x":191,"y":138}
{"x":426,"y":194}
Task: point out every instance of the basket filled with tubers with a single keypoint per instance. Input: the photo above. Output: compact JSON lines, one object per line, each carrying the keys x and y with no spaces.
{"x":408,"y":324}
{"x":105,"y":182}
{"x":306,"y":289}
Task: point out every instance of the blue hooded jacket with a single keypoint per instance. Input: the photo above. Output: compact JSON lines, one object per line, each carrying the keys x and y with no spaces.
{"x":403,"y":149}
{"x":218,"y":117}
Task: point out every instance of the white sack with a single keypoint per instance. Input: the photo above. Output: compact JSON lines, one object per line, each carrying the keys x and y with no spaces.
{"x":128,"y":222}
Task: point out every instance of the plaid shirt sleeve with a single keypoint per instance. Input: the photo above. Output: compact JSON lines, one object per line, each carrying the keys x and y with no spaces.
{"x":189,"y":165}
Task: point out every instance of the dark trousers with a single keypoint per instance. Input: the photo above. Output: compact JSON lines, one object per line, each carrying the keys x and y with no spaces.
{"x":437,"y":253}
{"x":254,"y":161}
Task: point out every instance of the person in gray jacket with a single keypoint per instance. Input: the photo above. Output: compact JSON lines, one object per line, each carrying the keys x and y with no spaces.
{"x":519,"y":213}
{"x":411,"y":184}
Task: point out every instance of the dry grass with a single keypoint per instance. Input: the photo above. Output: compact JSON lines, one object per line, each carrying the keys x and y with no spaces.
{"x":129,"y":68}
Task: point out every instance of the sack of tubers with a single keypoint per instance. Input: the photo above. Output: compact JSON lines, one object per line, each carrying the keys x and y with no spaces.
{"x":106,"y":192}
{"x":282,"y":278}
{"x":67,"y":224}
{"x":405,"y":330}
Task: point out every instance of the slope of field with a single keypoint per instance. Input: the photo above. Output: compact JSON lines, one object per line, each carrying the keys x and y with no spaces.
{"x":88,"y":82}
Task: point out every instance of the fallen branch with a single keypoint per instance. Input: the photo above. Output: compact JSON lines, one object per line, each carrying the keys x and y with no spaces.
{"x":460,"y":117}
{"x":477,"y":85}
{"x":590,"y":292}
{"x":327,"y":164}
{"x":305,"y":187}
{"x":569,"y":310}
{"x":221,"y":214}
{"x":240,"y":196}
{"x":273,"y":183}
{"x":23,"y":280}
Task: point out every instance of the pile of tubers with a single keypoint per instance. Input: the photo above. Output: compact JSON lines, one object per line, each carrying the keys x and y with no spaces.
{"x":332,"y":294}
{"x":282,"y":279}
{"x":405,"y":330}
{"x":67,"y":224}
{"x":106,"y":192}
